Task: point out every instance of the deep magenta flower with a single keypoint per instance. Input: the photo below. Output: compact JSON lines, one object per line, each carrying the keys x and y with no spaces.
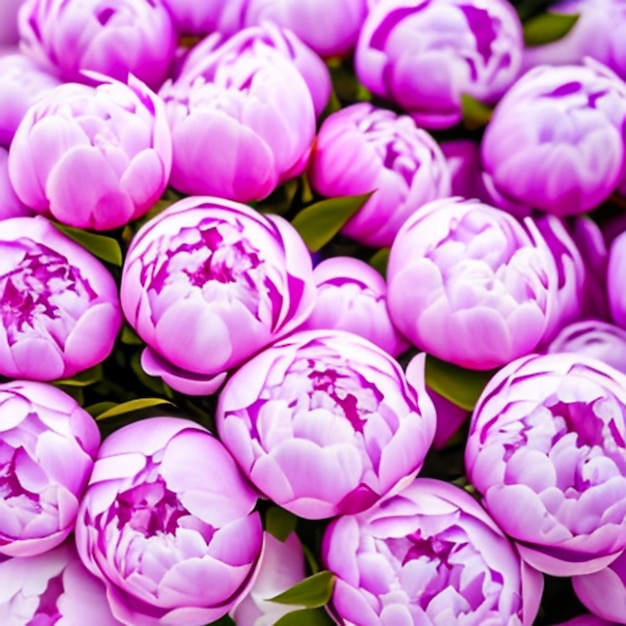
{"x":107,"y":155}
{"x":59,"y":307}
{"x":555,"y":140}
{"x":113,"y":37}
{"x":363,"y":148}
{"x":325,"y":423}
{"x":547,"y":452}
{"x":424,"y":55}
{"x":167,"y":524}
{"x":428,"y":555}
{"x":208,"y":283}
{"x":352,"y":296}
{"x":459,"y":270}
{"x":48,"y":444}
{"x":52,"y":588}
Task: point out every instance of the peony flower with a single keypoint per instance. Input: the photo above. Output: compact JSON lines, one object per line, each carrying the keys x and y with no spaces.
{"x":462,"y":270}
{"x":59,"y":308}
{"x":325,"y":423}
{"x":554,"y":142}
{"x":22,"y":82}
{"x":363,"y":148}
{"x":48,"y":444}
{"x":106,"y":155}
{"x":547,"y":452}
{"x":208,"y":283}
{"x":112,"y":37}
{"x":167,"y":524}
{"x":425,"y":55}
{"x":52,"y":588}
{"x":352,"y":296}
{"x":428,"y":555}
{"x":252,"y":102}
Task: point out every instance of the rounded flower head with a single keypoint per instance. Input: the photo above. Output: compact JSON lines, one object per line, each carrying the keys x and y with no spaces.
{"x":21,"y":83}
{"x":428,"y":555}
{"x":208,"y":283}
{"x":459,"y":270}
{"x":328,"y":27}
{"x":363,"y":148}
{"x":112,"y":37}
{"x":424,"y":55}
{"x":554,"y":142}
{"x":47,"y":450}
{"x":107,"y":154}
{"x":52,"y":588}
{"x":10,"y":204}
{"x":167,"y":524}
{"x":547,"y":451}
{"x":59,"y":308}
{"x":325,"y":423}
{"x":352,"y":296}
{"x":251,"y":102}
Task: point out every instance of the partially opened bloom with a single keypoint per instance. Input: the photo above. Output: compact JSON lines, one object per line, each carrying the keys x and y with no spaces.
{"x":59,"y":307}
{"x":52,"y":588}
{"x":428,"y":555}
{"x":325,"y":423}
{"x":167,"y":524}
{"x":48,"y":444}
{"x":329,"y":27}
{"x":22,"y":81}
{"x":112,"y":37}
{"x":253,"y":104}
{"x":363,"y":148}
{"x":461,"y":271}
{"x":352,"y":296}
{"x":208,"y":283}
{"x":425,"y":55}
{"x":547,"y":452}
{"x":107,"y":155}
{"x":555,"y":140}
{"x":10,"y":204}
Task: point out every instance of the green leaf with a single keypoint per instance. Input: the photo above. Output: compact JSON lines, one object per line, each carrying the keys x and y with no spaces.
{"x":82,"y":379}
{"x":132,"y":405}
{"x":310,"y":559}
{"x":281,"y":199}
{"x":379,"y":261}
{"x":130,"y":337}
{"x":312,"y":592}
{"x":104,"y":248}
{"x":475,"y":113}
{"x":548,"y":27}
{"x":306,"y":617}
{"x":320,"y":222}
{"x":280,"y":523}
{"x":99,"y":407}
{"x":459,"y":385}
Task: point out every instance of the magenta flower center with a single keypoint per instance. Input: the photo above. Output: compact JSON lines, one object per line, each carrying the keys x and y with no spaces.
{"x":10,"y":485}
{"x":47,"y":613}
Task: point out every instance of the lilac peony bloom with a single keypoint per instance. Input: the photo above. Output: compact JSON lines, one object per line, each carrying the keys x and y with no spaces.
{"x":471,"y":285}
{"x":47,"y":449}
{"x":93,"y":157}
{"x":208,"y":283}
{"x":167,"y":524}
{"x":52,"y":588}
{"x":250,"y":101}
{"x":282,"y":566}
{"x":21,"y":83}
{"x":266,"y":38}
{"x":363,"y":148}
{"x":59,"y":307}
{"x":424,"y":55}
{"x":428,"y":555}
{"x":113,"y":37}
{"x":554,"y":142}
{"x":328,"y":27}
{"x":325,"y":423}
{"x":547,"y":452}
{"x":352,"y":296}
{"x":10,"y":204}
{"x":615,"y":280}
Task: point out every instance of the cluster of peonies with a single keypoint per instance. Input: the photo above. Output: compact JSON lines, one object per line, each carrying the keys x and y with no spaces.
{"x":170,"y":126}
